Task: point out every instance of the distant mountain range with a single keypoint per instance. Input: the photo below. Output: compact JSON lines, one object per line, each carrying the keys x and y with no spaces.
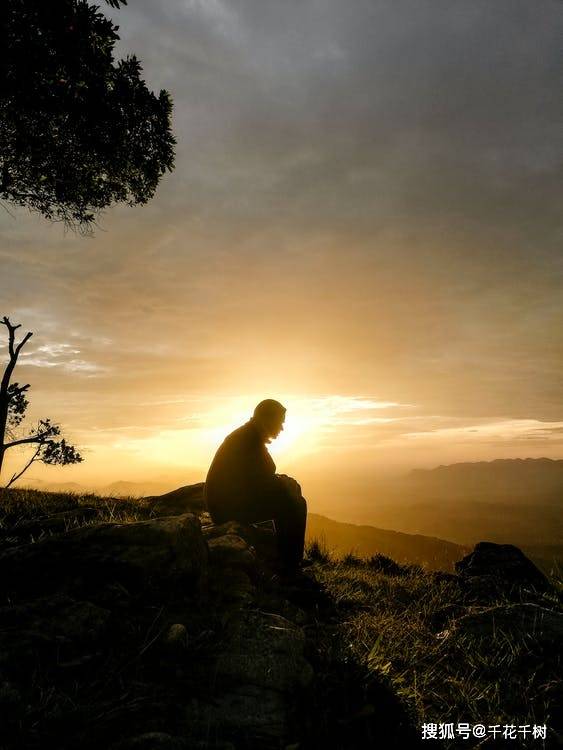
{"x":507,"y":479}
{"x":508,"y":501}
{"x":120,"y":488}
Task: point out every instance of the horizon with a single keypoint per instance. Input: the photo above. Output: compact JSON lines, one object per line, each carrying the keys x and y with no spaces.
{"x":363,"y":223}
{"x":166,"y":478}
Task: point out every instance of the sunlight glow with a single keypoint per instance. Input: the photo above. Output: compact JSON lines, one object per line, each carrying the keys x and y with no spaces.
{"x":308,"y":420}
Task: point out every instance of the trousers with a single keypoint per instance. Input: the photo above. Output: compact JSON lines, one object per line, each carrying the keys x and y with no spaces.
{"x":290,"y":519}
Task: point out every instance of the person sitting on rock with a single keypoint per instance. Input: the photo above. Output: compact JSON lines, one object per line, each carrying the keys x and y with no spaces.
{"x":242,"y":484}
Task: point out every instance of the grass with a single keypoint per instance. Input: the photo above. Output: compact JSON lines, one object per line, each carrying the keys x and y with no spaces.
{"x":398,"y":622}
{"x":385,"y":647}
{"x":22,"y":506}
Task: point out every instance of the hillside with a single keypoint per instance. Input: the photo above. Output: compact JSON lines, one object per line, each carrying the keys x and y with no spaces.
{"x":517,"y":501}
{"x":429,"y":552}
{"x":140,"y":625}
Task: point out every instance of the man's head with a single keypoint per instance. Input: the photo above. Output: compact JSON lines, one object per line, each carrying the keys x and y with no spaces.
{"x":269,"y":416}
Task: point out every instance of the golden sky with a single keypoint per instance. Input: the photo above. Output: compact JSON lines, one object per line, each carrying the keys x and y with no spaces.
{"x":364,"y":223}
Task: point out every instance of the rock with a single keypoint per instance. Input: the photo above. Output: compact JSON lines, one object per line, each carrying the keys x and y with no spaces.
{"x":483,"y":589}
{"x":60,"y":615}
{"x":260,"y":537}
{"x":233,"y":586}
{"x":212,"y":531}
{"x":80,"y":621}
{"x":506,"y":562}
{"x":114,"y":596}
{"x":526,"y":621}
{"x":279,"y":605}
{"x":231,"y":550}
{"x":159,"y":552}
{"x":176,"y":637}
{"x":265,"y":650}
{"x":256,"y":715}
{"x":258,"y":669}
{"x":187,"y":499}
{"x":52,"y":629}
{"x":53,"y":524}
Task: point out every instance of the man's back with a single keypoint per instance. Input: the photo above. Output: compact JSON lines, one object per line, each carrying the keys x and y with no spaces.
{"x":241,"y":482}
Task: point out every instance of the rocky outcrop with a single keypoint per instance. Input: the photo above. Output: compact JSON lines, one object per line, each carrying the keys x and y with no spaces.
{"x":171,"y":605}
{"x":187,"y":499}
{"x":159,"y":552}
{"x":257,"y":674}
{"x":258,"y":669}
{"x":505,"y":563}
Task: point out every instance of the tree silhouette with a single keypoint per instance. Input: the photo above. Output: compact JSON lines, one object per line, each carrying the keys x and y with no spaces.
{"x":13,"y":405}
{"x":78,"y":130}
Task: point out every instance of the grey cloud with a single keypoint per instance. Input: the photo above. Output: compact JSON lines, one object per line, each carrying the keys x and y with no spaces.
{"x":376,"y":184}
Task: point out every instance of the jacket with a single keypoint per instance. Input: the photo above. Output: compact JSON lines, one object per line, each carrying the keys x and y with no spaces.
{"x":241,"y":483}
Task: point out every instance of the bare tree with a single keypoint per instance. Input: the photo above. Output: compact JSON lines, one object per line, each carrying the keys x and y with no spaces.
{"x":13,"y":405}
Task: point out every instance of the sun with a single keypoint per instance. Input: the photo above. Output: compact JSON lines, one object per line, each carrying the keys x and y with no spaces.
{"x":300,"y":428}
{"x":295,"y":428}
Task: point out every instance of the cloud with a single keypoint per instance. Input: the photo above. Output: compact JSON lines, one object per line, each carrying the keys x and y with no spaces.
{"x":366,"y":201}
{"x":500,"y":432}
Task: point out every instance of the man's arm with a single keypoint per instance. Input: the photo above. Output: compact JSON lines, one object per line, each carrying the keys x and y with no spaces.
{"x":264,"y":485}
{"x":292,"y":485}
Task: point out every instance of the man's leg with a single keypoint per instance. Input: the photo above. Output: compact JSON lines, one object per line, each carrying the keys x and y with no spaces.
{"x":290,"y":525}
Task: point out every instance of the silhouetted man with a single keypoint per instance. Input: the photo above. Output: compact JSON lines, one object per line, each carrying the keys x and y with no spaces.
{"x":242,"y":485}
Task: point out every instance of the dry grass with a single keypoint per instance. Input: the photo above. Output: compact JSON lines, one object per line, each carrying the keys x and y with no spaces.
{"x":400,"y":627}
{"x":19,"y":506}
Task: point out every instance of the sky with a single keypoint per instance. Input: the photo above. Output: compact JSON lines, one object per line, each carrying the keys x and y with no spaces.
{"x":364,"y":222}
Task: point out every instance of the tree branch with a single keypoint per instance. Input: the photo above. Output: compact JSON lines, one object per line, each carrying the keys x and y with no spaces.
{"x":14,"y":351}
{"x":11,"y":332}
{"x":32,"y":439}
{"x":22,"y":343}
{"x":15,"y":477}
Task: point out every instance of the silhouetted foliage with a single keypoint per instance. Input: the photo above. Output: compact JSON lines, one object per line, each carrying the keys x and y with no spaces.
{"x":78,"y":130}
{"x":13,"y":406}
{"x":317,"y":550}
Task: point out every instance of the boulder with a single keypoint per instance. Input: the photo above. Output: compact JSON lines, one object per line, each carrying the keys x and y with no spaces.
{"x":46,"y":627}
{"x":231,"y":551}
{"x":187,"y":499}
{"x":261,"y":538}
{"x":40,"y":527}
{"x":485,"y":589}
{"x":175,"y":639}
{"x":159,"y":553}
{"x":504,"y":561}
{"x":265,"y":650}
{"x":255,"y":716}
{"x":232,"y":586}
{"x":212,"y":530}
